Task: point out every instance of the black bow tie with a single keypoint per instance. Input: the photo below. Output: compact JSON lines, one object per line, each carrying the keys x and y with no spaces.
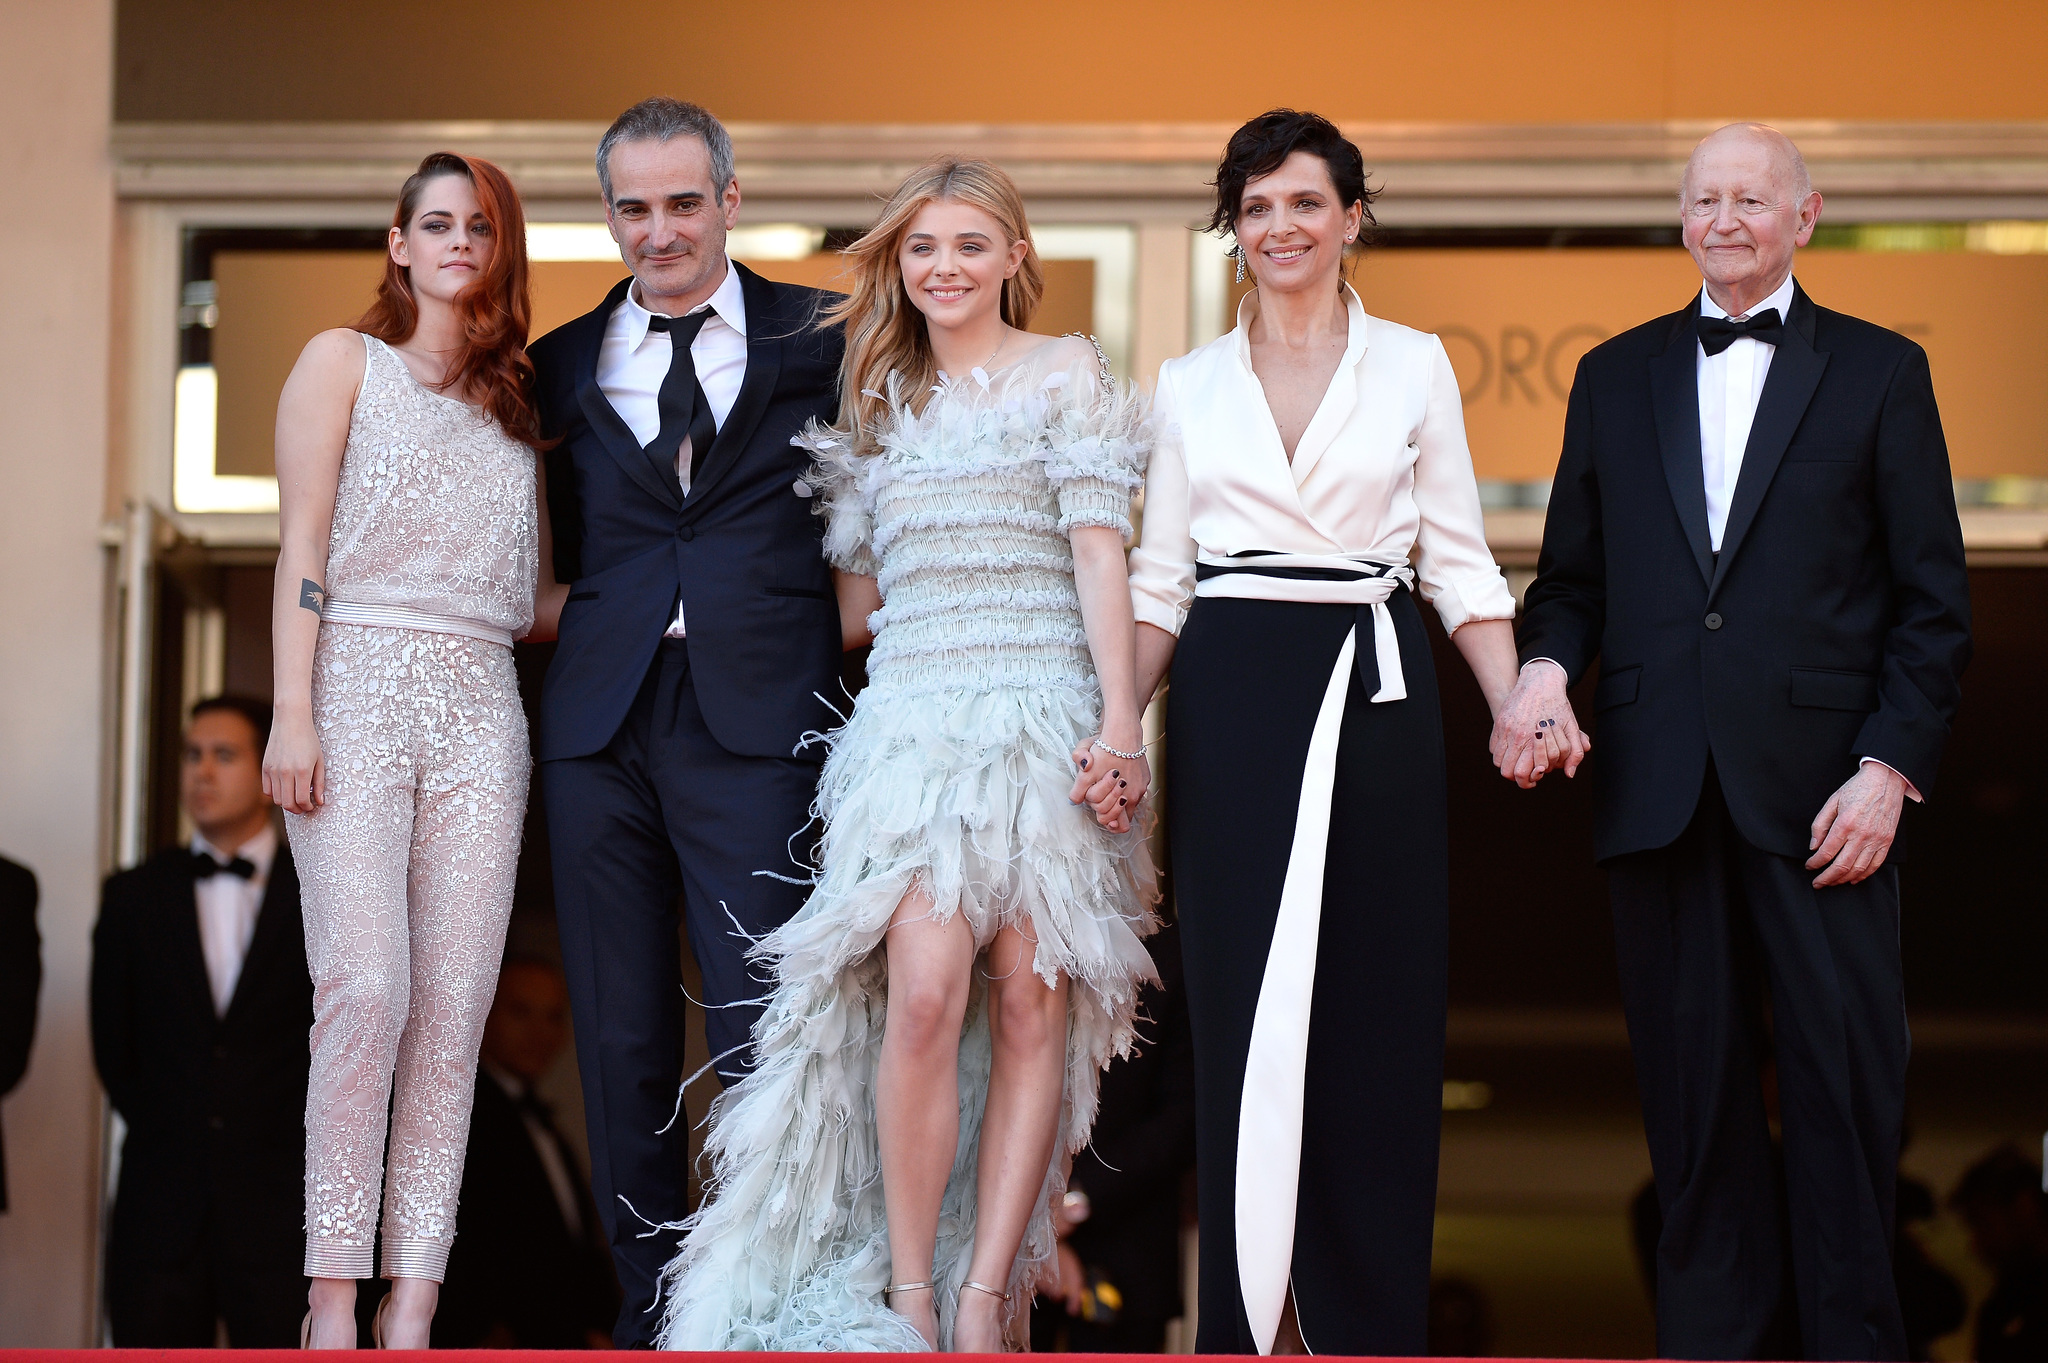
{"x":205,"y":867}
{"x":1718,"y":333}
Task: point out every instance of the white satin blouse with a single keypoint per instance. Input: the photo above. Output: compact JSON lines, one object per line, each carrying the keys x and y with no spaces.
{"x":1382,"y":473}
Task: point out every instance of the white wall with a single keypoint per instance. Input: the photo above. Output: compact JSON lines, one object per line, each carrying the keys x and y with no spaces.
{"x":55,"y":249}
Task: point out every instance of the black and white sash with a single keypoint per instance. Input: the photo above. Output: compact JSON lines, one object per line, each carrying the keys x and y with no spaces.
{"x":1269,"y":1111}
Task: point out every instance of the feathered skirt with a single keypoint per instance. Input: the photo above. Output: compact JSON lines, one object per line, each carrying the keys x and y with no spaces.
{"x":964,"y":794}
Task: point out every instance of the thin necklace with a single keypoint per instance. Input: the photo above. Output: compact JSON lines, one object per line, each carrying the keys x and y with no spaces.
{"x":997,"y":351}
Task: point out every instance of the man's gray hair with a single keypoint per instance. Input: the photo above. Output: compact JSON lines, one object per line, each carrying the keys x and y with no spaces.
{"x":657,"y":120}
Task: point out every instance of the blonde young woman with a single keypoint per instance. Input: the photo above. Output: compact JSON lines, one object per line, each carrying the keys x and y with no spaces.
{"x":945,"y":1002}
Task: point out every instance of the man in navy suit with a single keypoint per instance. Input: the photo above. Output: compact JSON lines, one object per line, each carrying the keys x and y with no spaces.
{"x":1754,"y":533}
{"x":699,"y":647}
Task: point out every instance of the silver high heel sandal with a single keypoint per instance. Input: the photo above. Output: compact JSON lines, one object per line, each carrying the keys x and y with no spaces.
{"x":984,"y":1287}
{"x":894,"y":1288}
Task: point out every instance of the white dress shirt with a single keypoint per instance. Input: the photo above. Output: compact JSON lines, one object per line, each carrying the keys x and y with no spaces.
{"x":228,"y":908}
{"x":1730,"y":385}
{"x":632,"y":361}
{"x":553,"y":1159}
{"x":1381,"y":470}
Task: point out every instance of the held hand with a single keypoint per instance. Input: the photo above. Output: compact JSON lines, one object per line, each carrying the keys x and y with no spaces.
{"x":1853,"y":833}
{"x":294,"y":771}
{"x":1109,"y":785}
{"x":1536,"y":731}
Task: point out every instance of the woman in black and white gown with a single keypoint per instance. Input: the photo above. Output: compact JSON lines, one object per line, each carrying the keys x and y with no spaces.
{"x":1303,"y":461}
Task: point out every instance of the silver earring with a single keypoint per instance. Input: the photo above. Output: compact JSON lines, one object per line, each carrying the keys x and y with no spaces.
{"x":1238,"y":251}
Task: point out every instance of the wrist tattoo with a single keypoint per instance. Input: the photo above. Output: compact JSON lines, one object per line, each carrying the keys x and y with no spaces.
{"x":312,"y":595}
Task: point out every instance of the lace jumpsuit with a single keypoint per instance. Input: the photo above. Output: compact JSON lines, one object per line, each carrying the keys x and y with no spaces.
{"x":407,"y":870}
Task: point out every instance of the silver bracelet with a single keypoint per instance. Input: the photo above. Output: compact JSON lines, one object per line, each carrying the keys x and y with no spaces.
{"x":1117,"y":752}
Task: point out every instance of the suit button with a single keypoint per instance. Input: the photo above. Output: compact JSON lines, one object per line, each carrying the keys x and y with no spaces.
{"x":687,"y":533}
{"x":1713,"y":620}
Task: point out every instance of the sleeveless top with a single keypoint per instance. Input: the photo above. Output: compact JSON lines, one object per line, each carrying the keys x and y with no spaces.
{"x":963,"y":515}
{"x":435,"y":524}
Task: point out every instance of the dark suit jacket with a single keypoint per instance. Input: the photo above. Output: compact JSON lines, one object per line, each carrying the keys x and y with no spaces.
{"x":215,"y":1106}
{"x":21,"y":979}
{"x":517,"y":1278}
{"x":742,"y":551}
{"x":1835,"y":622}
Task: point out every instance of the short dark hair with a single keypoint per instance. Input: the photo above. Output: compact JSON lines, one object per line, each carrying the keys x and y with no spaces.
{"x":1999,"y":1179}
{"x":657,"y":120}
{"x":1261,"y":145}
{"x":257,"y":712}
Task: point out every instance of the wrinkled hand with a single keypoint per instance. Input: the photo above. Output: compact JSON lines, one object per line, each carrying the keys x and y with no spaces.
{"x":1536,"y":731}
{"x":294,"y":770}
{"x":1853,"y":833}
{"x":1110,"y":786}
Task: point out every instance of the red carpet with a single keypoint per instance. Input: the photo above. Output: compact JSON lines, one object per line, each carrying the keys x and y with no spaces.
{"x":444,"y":1356}
{"x":453,"y":1355}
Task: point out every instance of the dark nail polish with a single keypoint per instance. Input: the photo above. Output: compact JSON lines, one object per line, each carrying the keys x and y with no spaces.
{"x":1084,"y":764}
{"x":1123,"y":783}
{"x":1121,"y":800}
{"x":1116,"y":773}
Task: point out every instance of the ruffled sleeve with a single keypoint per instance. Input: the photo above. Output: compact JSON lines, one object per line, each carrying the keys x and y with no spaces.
{"x":1099,"y":440}
{"x":844,"y":496}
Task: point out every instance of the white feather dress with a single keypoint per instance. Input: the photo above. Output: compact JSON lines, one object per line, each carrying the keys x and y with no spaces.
{"x":952,"y":774}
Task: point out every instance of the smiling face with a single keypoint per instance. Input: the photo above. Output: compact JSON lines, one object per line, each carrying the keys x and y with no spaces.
{"x":670,"y":220}
{"x":954,"y":259}
{"x":1744,"y":213}
{"x":448,"y":242}
{"x":1291,"y":227}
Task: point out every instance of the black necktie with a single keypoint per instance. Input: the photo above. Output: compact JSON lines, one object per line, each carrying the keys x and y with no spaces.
{"x":684,"y":408}
{"x":205,"y":867}
{"x":1718,"y":333}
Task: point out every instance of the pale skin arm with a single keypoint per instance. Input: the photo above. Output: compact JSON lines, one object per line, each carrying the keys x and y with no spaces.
{"x":549,"y":596}
{"x":1111,"y":786}
{"x":312,"y":431}
{"x":859,"y":597}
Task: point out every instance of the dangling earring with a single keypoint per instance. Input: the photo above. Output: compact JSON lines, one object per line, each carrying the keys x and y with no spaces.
{"x":1238,"y":251}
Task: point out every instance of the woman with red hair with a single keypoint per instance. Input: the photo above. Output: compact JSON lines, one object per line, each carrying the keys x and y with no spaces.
{"x":413,"y":549}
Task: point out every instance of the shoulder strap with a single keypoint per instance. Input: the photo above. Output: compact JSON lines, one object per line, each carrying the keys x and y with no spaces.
{"x":1101,"y":359}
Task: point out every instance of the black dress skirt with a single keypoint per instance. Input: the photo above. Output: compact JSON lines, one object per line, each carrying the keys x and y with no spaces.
{"x":1250,"y":678}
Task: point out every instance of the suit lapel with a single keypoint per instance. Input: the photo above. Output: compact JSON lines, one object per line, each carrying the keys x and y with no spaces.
{"x":1795,"y":374}
{"x":272,"y":926}
{"x":187,"y":949}
{"x":1675,"y":395}
{"x":610,"y":428}
{"x":764,"y":365}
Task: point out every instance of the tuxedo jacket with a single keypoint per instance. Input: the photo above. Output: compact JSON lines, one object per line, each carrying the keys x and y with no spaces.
{"x":215,"y":1106}
{"x":518,"y":1277}
{"x":21,"y":978}
{"x":743,"y":552}
{"x":1834,"y":623}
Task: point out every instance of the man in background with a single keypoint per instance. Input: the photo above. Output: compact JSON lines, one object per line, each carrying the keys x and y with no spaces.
{"x":21,"y":978}
{"x":530,"y":1269}
{"x":2001,"y":1201}
{"x":201,"y":1006}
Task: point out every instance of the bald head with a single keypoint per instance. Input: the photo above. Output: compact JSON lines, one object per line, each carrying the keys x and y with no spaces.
{"x":1757,"y":146}
{"x":1746,"y":204}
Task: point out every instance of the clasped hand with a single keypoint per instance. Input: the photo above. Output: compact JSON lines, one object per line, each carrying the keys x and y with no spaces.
{"x":1536,"y":732}
{"x":1109,"y":785}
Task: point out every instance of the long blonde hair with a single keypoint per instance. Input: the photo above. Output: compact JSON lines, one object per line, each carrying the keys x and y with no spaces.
{"x":885,"y":332}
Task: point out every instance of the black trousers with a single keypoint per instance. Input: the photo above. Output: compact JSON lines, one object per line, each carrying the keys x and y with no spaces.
{"x":1707,"y":930}
{"x":1248,"y":680}
{"x":173,"y":1286}
{"x":664,"y":811}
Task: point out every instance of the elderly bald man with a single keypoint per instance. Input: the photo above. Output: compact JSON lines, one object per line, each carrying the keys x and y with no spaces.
{"x":1753,"y":534}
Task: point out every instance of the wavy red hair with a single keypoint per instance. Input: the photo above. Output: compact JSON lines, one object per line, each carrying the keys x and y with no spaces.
{"x":497,"y":309}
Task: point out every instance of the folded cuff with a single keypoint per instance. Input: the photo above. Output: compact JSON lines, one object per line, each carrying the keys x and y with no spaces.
{"x":1483,"y":596}
{"x":337,"y":1259}
{"x":405,"y":1258}
{"x":1150,"y":610}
